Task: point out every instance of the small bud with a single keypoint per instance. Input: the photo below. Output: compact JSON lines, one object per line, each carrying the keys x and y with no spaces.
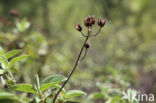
{"x":101,"y":22}
{"x":87,"y":45}
{"x":14,"y":13}
{"x":78,"y":27}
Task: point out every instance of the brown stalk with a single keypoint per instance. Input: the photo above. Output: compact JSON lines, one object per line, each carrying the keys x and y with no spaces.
{"x":76,"y":63}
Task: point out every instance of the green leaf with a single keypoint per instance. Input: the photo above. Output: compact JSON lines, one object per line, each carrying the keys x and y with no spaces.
{"x":15,"y":60}
{"x":24,"y":88}
{"x":37,"y":83}
{"x":12,"y":53}
{"x":75,"y":93}
{"x":46,"y":86}
{"x":96,"y":96}
{"x":15,"y":70}
{"x":52,"y":81}
{"x":4,"y":61}
{"x":6,"y":95}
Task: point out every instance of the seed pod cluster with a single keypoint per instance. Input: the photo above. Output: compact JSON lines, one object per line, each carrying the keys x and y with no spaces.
{"x":90,"y":21}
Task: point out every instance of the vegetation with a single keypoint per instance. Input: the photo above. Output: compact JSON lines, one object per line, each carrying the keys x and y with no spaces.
{"x":39,"y":46}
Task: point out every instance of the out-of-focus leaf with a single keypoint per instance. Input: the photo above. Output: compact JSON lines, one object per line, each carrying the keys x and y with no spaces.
{"x":54,"y":79}
{"x":4,"y":61}
{"x":15,"y":70}
{"x":74,"y":93}
{"x":1,"y":71}
{"x":17,"y":59}
{"x":12,"y":53}
{"x":24,"y":88}
{"x":35,"y":100}
{"x":71,"y":102}
{"x":6,"y":95}
{"x":96,"y":96}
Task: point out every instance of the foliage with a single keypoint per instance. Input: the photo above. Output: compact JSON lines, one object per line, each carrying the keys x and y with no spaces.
{"x":121,"y":57}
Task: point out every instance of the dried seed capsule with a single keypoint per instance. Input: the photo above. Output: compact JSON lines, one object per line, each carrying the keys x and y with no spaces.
{"x":88,"y":21}
{"x":87,"y":45}
{"x":101,"y":22}
{"x":78,"y":27}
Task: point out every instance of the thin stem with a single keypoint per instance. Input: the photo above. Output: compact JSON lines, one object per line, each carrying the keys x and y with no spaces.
{"x":83,"y":34}
{"x":76,"y":63}
{"x":96,"y":33}
{"x":84,"y":55}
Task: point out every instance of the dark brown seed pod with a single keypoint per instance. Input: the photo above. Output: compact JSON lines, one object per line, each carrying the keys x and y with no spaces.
{"x":101,"y":22}
{"x":88,"y":21}
{"x":87,"y":45}
{"x":78,"y":27}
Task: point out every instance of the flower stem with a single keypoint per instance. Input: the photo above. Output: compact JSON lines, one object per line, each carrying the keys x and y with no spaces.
{"x":76,"y":63}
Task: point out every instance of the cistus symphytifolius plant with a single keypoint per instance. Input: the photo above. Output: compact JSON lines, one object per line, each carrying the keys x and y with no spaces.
{"x":89,"y":22}
{"x":49,"y":89}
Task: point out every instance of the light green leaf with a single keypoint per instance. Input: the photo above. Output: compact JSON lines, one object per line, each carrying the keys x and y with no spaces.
{"x":55,"y":79}
{"x":4,"y":61}
{"x":24,"y":88}
{"x":37,"y":83}
{"x":52,"y":81}
{"x":46,"y":86}
{"x":96,"y":96}
{"x":75,"y":93}
{"x":6,"y":95}
{"x":15,"y":60}
{"x":12,"y":53}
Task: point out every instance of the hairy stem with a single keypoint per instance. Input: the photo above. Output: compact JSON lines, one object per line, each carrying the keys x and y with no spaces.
{"x":76,"y":63}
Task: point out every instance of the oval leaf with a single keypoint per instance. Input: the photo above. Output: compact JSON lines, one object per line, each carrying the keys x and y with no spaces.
{"x":12,"y":53}
{"x":75,"y":93}
{"x":15,"y":60}
{"x":24,"y":88}
{"x":54,"y":79}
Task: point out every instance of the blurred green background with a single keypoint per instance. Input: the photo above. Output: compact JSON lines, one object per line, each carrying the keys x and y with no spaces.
{"x":123,"y":55}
